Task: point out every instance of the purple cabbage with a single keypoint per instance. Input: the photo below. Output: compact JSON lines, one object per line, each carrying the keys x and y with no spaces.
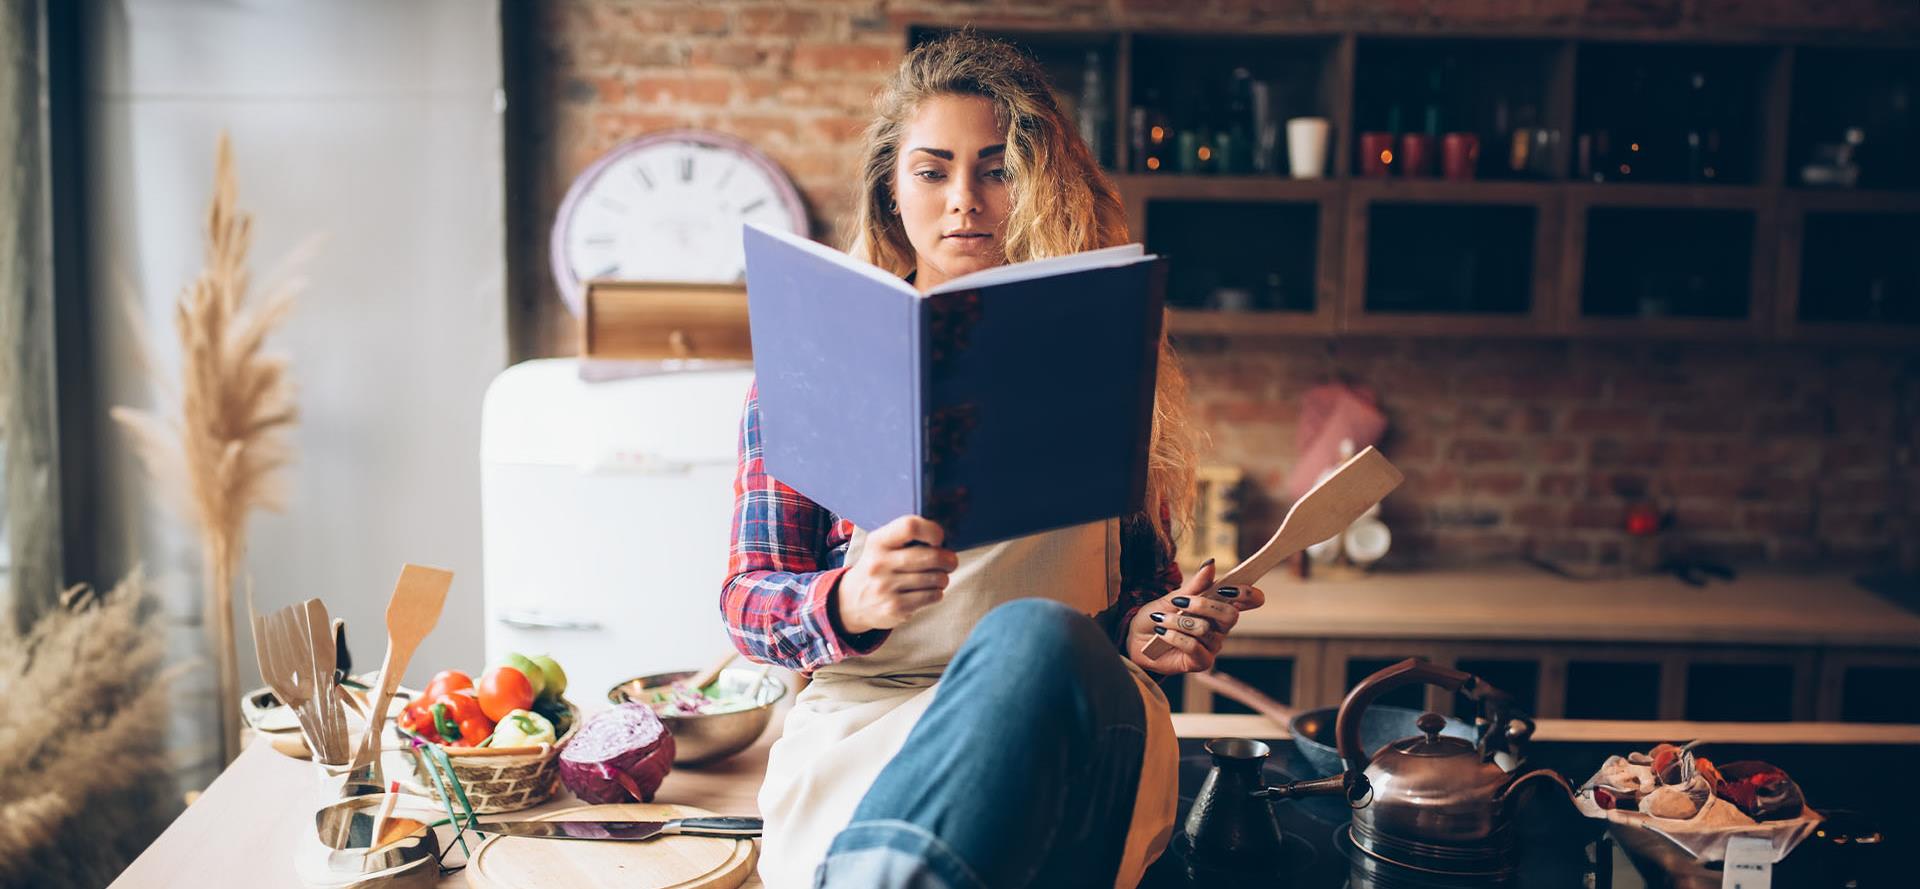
{"x":618,"y":756}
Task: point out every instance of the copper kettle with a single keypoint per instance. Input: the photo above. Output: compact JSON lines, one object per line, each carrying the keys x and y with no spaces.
{"x":1429,"y":802}
{"x":1435,"y":802}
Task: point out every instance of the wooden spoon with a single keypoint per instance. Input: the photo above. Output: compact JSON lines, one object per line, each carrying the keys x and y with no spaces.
{"x":415,"y":607}
{"x":1325,"y":510}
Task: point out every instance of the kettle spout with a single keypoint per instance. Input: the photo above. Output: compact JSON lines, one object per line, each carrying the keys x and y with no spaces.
{"x":1331,"y":785}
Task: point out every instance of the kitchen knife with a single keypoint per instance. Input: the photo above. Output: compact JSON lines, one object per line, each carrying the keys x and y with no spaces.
{"x":721,"y":826}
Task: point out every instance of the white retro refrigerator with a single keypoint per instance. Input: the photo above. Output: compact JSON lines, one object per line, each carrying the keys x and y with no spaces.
{"x":605,"y":513}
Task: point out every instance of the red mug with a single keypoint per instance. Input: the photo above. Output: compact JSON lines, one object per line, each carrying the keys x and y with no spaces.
{"x":1416,"y":155}
{"x":1459,"y":154}
{"x":1376,"y":155}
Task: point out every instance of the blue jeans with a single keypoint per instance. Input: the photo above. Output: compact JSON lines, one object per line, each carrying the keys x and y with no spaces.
{"x":1021,"y":773}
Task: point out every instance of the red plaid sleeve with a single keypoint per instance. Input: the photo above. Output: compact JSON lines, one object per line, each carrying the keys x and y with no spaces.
{"x":786,"y":558}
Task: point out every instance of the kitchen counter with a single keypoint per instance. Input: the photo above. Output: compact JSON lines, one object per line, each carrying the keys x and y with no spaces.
{"x":244,"y":815}
{"x":1522,"y":603}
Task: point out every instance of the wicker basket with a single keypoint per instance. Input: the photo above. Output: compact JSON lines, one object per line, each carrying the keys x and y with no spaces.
{"x":504,"y":779}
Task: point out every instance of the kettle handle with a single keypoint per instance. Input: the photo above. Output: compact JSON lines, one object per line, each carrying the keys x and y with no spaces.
{"x":1411,"y":670}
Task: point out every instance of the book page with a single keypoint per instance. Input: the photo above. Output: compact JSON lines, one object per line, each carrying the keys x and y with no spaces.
{"x":1045,"y":268}
{"x":843,"y":260}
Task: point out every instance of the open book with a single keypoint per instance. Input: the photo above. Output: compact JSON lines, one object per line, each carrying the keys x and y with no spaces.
{"x":1009,"y":401}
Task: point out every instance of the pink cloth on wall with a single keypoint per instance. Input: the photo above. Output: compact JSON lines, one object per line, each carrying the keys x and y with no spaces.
{"x":1328,"y":414}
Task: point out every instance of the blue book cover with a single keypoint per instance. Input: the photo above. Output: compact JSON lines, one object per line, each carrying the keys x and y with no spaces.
{"x":1003,"y":403}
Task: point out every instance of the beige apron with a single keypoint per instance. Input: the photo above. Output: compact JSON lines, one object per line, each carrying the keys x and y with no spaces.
{"x":854,"y":716}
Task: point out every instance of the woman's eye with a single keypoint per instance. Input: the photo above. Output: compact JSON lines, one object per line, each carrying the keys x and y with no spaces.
{"x":929,"y":175}
{"x":998,"y":175}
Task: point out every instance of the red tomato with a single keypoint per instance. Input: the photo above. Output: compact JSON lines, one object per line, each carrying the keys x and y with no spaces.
{"x":473,"y":731}
{"x":446,"y":682}
{"x":504,"y":690}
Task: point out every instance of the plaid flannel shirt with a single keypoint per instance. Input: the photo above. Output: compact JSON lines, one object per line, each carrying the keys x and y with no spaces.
{"x":788,"y":554}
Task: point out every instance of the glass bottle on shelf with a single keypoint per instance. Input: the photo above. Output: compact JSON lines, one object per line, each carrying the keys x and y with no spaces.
{"x":1236,"y":152}
{"x":1150,"y":135}
{"x":1702,"y":135}
{"x":1094,"y":113}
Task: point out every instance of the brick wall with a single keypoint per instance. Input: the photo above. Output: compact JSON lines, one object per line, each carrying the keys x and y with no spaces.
{"x":1783,"y":453}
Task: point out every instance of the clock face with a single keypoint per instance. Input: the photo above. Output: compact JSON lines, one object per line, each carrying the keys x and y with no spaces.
{"x":669,"y":207}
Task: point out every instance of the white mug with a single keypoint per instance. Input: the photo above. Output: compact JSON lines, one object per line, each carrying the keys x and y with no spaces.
{"x":1307,"y":146}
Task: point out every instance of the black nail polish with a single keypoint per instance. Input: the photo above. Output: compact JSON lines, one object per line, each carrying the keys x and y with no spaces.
{"x":1181,"y":601}
{"x":1229,"y":592}
{"x":1205,"y":564}
{"x":1160,"y":630}
{"x":1156,"y":617}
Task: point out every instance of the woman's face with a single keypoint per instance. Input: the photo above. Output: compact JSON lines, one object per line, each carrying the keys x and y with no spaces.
{"x":950,"y":185}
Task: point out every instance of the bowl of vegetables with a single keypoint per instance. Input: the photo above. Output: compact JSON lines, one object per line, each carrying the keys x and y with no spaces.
{"x":502,"y":735}
{"x":710,"y":723}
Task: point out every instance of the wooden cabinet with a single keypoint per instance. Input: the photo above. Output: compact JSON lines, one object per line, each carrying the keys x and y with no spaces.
{"x":1622,"y":189}
{"x":1634,"y":649}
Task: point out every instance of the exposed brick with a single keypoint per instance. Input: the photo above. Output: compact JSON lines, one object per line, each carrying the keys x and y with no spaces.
{"x":1560,"y":484}
{"x":1609,"y":420}
{"x":1594,"y":516}
{"x":1496,"y":482}
{"x":779,"y":22}
{"x":1543,"y":515}
{"x":1509,"y":446}
{"x":1486,"y":450}
{"x":1777,"y":520}
{"x":1561,"y":550}
{"x":1614,"y":452}
{"x":848,"y":58}
{"x":682,"y":90}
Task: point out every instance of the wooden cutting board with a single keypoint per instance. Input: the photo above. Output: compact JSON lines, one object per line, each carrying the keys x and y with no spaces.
{"x":674,"y":862}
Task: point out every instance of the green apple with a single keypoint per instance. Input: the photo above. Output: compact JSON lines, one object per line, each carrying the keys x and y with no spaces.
{"x":556,"y":677}
{"x":526,"y":665}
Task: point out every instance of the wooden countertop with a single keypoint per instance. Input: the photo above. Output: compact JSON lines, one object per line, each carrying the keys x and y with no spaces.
{"x":241,"y":831}
{"x":1527,"y":604}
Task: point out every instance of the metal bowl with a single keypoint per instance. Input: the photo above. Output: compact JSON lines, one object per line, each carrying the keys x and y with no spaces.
{"x":706,"y":738}
{"x":1379,"y":726}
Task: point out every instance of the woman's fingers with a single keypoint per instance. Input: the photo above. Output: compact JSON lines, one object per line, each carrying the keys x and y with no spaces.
{"x":1221,"y":615}
{"x":908,"y":529}
{"x":1189,"y":645}
{"x":919,"y":581}
{"x":1242,"y":598}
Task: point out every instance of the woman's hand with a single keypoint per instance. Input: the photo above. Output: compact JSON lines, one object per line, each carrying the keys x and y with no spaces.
{"x":1193,"y":622}
{"x":901,"y":570}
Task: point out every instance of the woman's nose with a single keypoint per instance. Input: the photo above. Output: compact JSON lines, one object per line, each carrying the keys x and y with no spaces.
{"x":962,"y":197}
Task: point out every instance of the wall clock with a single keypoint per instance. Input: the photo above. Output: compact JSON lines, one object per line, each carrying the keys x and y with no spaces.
{"x":668,"y":206}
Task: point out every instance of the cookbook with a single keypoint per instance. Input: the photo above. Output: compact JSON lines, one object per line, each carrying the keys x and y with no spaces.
{"x":1006,"y":402}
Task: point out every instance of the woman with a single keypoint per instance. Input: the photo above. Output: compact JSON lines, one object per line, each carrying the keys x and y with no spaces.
{"x":987,"y":718}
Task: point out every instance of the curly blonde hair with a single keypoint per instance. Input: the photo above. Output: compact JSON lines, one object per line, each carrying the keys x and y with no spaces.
{"x":1062,"y":202}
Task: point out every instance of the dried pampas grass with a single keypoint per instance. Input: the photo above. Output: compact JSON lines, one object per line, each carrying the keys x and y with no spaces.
{"x":222,"y":455}
{"x":84,"y":775}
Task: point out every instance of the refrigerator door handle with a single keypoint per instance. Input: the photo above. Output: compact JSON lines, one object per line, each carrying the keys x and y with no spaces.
{"x":535,"y":620}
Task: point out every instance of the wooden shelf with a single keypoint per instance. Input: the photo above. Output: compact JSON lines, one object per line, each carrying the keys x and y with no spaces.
{"x":1203,"y":322}
{"x":1847,"y":200}
{"x":1625,"y":194}
{"x":1349,"y":74}
{"x":1444,"y":191}
{"x":1178,"y":186}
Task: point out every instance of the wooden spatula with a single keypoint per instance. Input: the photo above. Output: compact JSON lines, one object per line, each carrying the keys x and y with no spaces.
{"x":1325,"y":510}
{"x":415,"y":607}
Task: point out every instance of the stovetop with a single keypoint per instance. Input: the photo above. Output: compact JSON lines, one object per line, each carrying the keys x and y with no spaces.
{"x":1555,"y":849}
{"x":1555,"y":846}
